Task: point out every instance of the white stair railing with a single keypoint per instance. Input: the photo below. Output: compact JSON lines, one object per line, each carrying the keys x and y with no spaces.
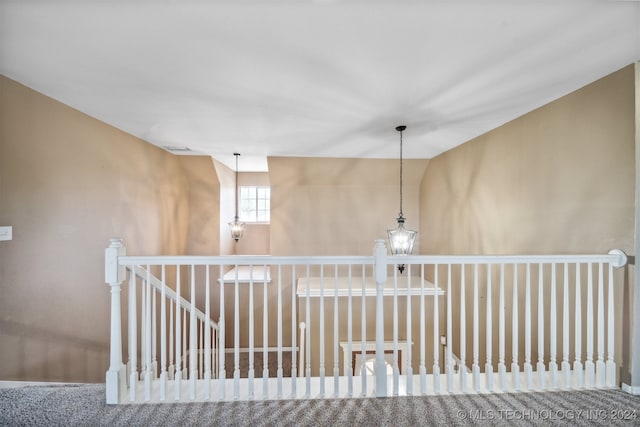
{"x":171,"y":295}
{"x":193,"y":358}
{"x":322,"y":301}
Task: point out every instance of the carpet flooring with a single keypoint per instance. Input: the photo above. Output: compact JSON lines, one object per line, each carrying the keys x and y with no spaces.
{"x":84,"y":405}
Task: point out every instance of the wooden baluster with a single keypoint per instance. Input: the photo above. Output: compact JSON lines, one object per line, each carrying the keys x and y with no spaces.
{"x":143,"y":326}
{"x":294,"y":333}
{"x":222,"y":371}
{"x":142,"y":362}
{"x":207,"y":334}
{"x":577,"y":364}
{"x":265,"y":336}
{"x":396,"y":370}
{"x":528,"y":369}
{"x":600,"y":366}
{"x":540,"y":367}
{"x":553,"y":364}
{"x":133,"y":337}
{"x":449,"y":333}
{"x":308,"y":339}
{"x":172,"y":369}
{"x":611,"y":364}
{"x":423,"y":369}
{"x":515,"y":365}
{"x":502,"y":367}
{"x":215,"y":349}
{"x":163,"y":335}
{"x":178,"y":372}
{"x":214,"y":353}
{"x":348,"y":370}
{"x":436,"y":334}
{"x":409,"y":350}
{"x":154,"y":334}
{"x":148,"y":378}
{"x":193,"y":343}
{"x":566,"y":365}
{"x":201,"y":349}
{"x":322,"y":355}
{"x":185,"y":360}
{"x":363,"y":334}
{"x":303,"y":338}
{"x":488,"y":367}
{"x":236,"y":338}
{"x":463,"y":332}
{"x":143,"y":336}
{"x":589,"y":366}
{"x":475,"y":367}
{"x":279,"y":337}
{"x":380,"y":274}
{"x":251,"y":336}
{"x":336,"y":338}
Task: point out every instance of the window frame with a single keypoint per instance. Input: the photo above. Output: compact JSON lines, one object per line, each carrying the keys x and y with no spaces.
{"x":255,"y":189}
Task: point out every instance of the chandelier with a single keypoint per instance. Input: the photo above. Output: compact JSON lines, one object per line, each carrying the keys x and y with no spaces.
{"x":400,"y":239}
{"x":237,"y":227}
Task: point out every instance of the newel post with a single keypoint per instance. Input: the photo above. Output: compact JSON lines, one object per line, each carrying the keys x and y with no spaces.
{"x":114,"y":275}
{"x":380,"y":254}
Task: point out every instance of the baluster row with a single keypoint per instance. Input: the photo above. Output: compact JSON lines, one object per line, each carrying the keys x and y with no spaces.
{"x":593,"y":337}
{"x":576,"y":332}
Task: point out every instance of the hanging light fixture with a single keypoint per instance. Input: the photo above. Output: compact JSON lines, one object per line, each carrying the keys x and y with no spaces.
{"x":401,"y":240}
{"x":237,"y":227}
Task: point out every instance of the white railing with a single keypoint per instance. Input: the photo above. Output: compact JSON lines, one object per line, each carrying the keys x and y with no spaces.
{"x":531,"y":323}
{"x":195,"y":359}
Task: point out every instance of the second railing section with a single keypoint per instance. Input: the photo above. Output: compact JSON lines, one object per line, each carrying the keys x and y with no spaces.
{"x":265,"y":327}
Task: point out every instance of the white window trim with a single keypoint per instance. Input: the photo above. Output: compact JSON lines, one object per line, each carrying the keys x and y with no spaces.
{"x":256,"y":187}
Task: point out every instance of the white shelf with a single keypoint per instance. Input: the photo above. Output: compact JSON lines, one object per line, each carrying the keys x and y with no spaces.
{"x":245,"y":274}
{"x":341,"y":285}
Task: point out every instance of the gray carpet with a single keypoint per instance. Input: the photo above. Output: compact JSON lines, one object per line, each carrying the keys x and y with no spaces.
{"x":83,"y":405}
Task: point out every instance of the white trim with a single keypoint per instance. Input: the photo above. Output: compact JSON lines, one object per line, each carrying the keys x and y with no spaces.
{"x":630,"y":389}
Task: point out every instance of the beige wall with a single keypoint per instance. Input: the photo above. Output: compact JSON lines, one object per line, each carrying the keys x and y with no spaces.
{"x":339,"y":206}
{"x":559,"y":179}
{"x":67,"y":184}
{"x":226,"y":180}
{"x":203,"y":191}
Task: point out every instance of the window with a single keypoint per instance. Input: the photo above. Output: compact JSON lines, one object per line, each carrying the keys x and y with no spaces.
{"x":255,"y":204}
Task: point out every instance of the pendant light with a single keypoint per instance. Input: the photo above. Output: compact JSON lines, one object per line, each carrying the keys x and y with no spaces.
{"x":237,"y":227}
{"x":401,"y":240}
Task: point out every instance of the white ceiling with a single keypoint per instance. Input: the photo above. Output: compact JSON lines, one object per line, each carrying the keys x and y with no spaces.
{"x":312,"y":78}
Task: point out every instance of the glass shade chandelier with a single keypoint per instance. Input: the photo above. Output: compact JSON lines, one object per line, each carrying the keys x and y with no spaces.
{"x":400,"y":239}
{"x":237,"y":227}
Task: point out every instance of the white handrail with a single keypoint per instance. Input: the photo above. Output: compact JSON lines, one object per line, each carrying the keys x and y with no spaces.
{"x":156,"y":283}
{"x":615,"y":257}
{"x":238,"y":260}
